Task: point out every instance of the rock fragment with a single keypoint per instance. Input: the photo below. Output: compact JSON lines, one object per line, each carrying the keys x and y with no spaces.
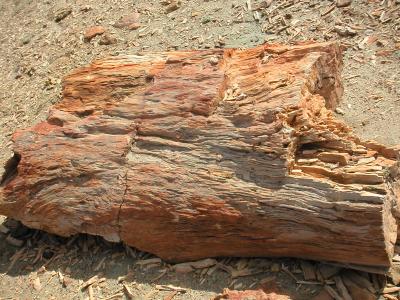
{"x":62,"y":13}
{"x":173,"y":6}
{"x":130,"y":21}
{"x":14,"y":242}
{"x":93,"y":31}
{"x":107,"y":39}
{"x":343,"y":3}
{"x":345,"y":31}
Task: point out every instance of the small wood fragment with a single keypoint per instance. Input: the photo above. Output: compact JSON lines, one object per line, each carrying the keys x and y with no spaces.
{"x":388,"y":290}
{"x":89,"y":282}
{"x":90,"y":292}
{"x":13,"y":241}
{"x":390,"y":297}
{"x":149,"y":261}
{"x":342,"y":288}
{"x":36,"y":284}
{"x":308,"y":270}
{"x":100,"y":264}
{"x":171,"y":296}
{"x":4,"y":229}
{"x":333,"y":293}
{"x":128,"y":292}
{"x":170,"y":287}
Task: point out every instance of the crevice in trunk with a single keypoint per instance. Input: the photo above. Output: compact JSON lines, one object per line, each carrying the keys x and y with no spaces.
{"x":11,"y":169}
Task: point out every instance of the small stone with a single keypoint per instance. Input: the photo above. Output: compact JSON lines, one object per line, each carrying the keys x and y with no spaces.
{"x":205,"y":20}
{"x":67,"y":281}
{"x":86,"y":8}
{"x":36,"y":284}
{"x":183,"y":268}
{"x":345,"y":31}
{"x":107,"y":39}
{"x":93,"y":31}
{"x":26,"y":39}
{"x":343,"y":3}
{"x":130,"y":21}
{"x":264,"y":4}
{"x":173,"y":6}
{"x":214,"y":60}
{"x":62,"y":13}
{"x":339,"y":111}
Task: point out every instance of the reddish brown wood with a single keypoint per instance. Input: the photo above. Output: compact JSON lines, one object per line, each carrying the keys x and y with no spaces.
{"x":193,"y":154}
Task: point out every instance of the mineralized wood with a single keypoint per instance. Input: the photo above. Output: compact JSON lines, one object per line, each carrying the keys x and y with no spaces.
{"x":193,"y":154}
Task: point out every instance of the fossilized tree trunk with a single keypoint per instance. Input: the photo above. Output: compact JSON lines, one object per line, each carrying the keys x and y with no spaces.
{"x":208,"y":153}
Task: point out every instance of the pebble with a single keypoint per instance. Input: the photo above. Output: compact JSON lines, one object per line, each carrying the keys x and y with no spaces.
{"x":62,"y":13}
{"x":345,"y":31}
{"x":183,"y":268}
{"x":107,"y":39}
{"x":214,"y":60}
{"x":339,"y":111}
{"x":343,"y":3}
{"x":93,"y":31}
{"x":130,"y":21}
{"x":173,"y":6}
{"x":26,"y":39}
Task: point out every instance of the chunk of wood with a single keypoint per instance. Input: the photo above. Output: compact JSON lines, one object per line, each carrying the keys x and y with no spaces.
{"x":4,"y":229}
{"x":187,"y":159}
{"x":328,"y":271}
{"x":192,"y":265}
{"x":90,"y":281}
{"x":342,"y":288}
{"x":308,"y":270}
{"x":13,"y":241}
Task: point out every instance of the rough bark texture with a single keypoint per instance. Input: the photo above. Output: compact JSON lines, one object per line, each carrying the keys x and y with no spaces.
{"x":193,"y":154}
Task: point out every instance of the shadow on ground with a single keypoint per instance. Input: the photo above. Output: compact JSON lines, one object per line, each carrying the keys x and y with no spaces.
{"x":65,"y":264}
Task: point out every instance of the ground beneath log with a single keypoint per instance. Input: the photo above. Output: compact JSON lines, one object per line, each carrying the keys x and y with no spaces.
{"x":44,"y":40}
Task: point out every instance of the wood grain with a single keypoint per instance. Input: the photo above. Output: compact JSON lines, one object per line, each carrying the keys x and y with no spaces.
{"x":193,"y":154}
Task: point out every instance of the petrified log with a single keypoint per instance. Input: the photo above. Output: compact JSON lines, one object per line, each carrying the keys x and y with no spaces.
{"x":193,"y":154}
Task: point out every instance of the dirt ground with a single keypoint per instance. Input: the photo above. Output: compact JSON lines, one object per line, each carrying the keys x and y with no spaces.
{"x":42,"y":40}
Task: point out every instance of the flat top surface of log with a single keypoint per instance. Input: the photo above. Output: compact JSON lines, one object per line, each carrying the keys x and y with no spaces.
{"x":192,"y":154}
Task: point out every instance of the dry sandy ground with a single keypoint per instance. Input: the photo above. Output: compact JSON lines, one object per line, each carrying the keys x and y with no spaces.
{"x":38,"y":49}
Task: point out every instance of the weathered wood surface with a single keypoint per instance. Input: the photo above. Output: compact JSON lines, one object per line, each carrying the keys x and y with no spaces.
{"x":193,"y":154}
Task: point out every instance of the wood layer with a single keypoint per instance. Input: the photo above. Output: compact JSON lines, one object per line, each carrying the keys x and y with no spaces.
{"x":193,"y":154}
